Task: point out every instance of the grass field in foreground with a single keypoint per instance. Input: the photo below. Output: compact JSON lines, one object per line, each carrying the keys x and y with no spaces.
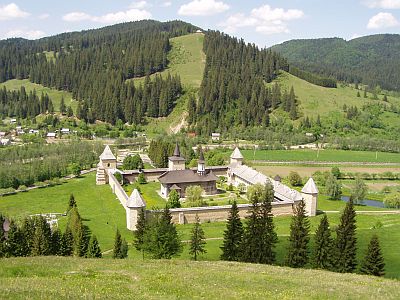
{"x":326,"y":155}
{"x":54,"y":94}
{"x":72,"y":278}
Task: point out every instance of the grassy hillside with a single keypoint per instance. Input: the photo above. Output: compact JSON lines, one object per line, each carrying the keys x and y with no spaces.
{"x":186,"y":58}
{"x":72,"y":278}
{"x":316,"y":100}
{"x":54,"y":94}
{"x":100,"y":209}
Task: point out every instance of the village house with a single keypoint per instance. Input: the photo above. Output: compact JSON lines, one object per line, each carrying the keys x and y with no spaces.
{"x":65,"y":131}
{"x":51,"y":135}
{"x":215,"y":136}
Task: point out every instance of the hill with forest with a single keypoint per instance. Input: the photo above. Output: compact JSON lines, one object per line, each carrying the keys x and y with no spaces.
{"x":372,"y":60}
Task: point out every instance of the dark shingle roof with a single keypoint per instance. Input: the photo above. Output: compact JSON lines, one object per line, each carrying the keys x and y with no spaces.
{"x":186,"y":176}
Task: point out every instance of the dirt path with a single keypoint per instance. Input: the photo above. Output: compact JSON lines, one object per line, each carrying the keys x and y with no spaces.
{"x":175,"y":129}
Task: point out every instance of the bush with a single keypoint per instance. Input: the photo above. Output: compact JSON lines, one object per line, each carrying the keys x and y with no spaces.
{"x":392,"y":200}
{"x":118,"y":176}
{"x":295,"y":179}
{"x":141,"y":179}
{"x":40,"y":184}
{"x":7,"y":191}
{"x":173,"y":199}
{"x":133,"y":162}
{"x":194,"y":196}
{"x":22,"y":188}
{"x":336,"y":172}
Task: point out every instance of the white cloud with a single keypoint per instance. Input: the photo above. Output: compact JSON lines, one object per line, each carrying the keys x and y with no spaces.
{"x":385,"y":4}
{"x":28,"y":34}
{"x":110,"y":18}
{"x":264,"y":19}
{"x":76,"y":17}
{"x":11,"y":11}
{"x":44,"y":16}
{"x":203,"y":8}
{"x":166,"y":4}
{"x":139,"y":4}
{"x":382,"y":20}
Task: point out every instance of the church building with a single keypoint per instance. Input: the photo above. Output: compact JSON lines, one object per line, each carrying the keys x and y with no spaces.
{"x":179,"y":178}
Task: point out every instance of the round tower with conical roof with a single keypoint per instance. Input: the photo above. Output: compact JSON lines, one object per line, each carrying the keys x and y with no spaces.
{"x":107,"y":161}
{"x":133,"y":206}
{"x":236,"y":157}
{"x":310,"y":197}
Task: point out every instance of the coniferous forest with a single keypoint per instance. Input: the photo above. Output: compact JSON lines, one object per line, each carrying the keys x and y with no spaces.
{"x":95,"y":64}
{"x":233,"y":90}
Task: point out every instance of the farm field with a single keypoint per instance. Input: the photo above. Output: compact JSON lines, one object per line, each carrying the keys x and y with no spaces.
{"x":307,"y":171}
{"x":62,"y":278}
{"x":55,"y":95}
{"x":326,"y":155}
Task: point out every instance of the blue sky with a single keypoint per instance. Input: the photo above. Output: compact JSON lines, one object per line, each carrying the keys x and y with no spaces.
{"x":262,"y":22}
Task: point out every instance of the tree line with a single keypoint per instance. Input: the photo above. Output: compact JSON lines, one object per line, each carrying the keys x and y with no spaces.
{"x":24,"y":105}
{"x":312,"y":78}
{"x":35,"y":237}
{"x":233,"y":90}
{"x":256,"y":240}
{"x":31,"y":163}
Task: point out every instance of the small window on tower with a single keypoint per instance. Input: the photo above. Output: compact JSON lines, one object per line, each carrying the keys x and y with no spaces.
{"x":108,"y":164}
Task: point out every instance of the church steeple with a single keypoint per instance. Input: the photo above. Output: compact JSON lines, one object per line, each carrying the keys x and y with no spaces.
{"x":201,"y":165}
{"x":176,"y":161}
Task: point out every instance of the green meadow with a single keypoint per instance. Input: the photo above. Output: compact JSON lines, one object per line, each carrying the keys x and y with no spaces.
{"x":73,"y":278}
{"x":103,"y":213}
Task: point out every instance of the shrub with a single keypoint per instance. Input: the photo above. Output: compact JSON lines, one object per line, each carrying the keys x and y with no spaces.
{"x":295,"y":179}
{"x":392,"y":200}
{"x":7,"y":191}
{"x":173,"y":199}
{"x":194,"y":195}
{"x":118,"y":176}
{"x":22,"y":188}
{"x":141,"y":179}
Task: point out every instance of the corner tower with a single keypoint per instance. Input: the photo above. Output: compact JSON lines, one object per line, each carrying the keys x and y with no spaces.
{"x":310,"y":197}
{"x":236,"y":157}
{"x":134,"y":204}
{"x":107,"y":161}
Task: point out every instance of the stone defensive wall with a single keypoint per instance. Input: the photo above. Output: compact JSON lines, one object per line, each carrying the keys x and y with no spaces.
{"x":220,"y":213}
{"x":117,"y":189}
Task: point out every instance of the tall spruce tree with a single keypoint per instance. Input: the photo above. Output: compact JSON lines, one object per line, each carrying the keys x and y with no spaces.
{"x":62,"y":106}
{"x":346,"y":241}
{"x":16,"y":243}
{"x":197,"y":240}
{"x":79,"y":231}
{"x":161,"y":239}
{"x":42,"y":237}
{"x":139,"y":233}
{"x":323,"y":248}
{"x":55,"y":245}
{"x":94,"y":250}
{"x":67,"y":243}
{"x":373,"y":263}
{"x":233,"y":235}
{"x":299,"y":237}
{"x":117,"y":245}
{"x":71,"y":202}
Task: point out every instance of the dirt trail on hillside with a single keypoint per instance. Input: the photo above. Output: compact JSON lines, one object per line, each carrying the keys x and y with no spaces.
{"x":175,"y":129}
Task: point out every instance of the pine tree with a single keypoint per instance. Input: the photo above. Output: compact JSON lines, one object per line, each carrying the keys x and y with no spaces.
{"x":42,"y":237}
{"x":197,"y":241}
{"x":117,"y":245}
{"x":161,"y":239}
{"x":268,"y":235}
{"x":323,"y":248}
{"x":365,"y":94}
{"x":373,"y":263}
{"x":385,"y":98}
{"x":140,"y":231}
{"x":358,"y":94}
{"x":299,"y":237}
{"x":62,"y":106}
{"x":79,"y":231}
{"x":70,"y":112}
{"x":124,"y":249}
{"x":71,"y":203}
{"x":94,"y":250}
{"x":55,"y":245}
{"x":346,"y":241}
{"x":16,"y":244}
{"x":233,"y":235}
{"x":67,"y":243}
